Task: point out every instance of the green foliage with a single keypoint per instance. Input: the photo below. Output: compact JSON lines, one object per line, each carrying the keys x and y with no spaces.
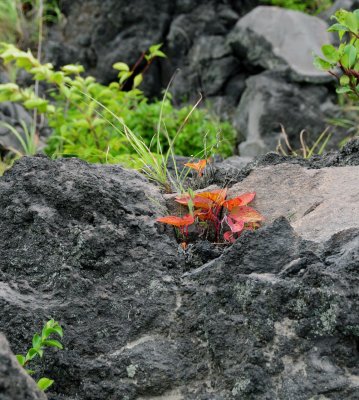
{"x":307,"y":6}
{"x":39,"y":343}
{"x":343,"y":61}
{"x":106,"y":124}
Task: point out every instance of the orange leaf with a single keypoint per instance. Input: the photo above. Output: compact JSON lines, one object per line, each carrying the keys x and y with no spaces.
{"x":198,"y":202}
{"x":205,"y":200}
{"x":217,"y":196}
{"x":198,"y":166}
{"x":242,"y":200}
{"x":177,"y":221}
{"x":205,"y":215}
{"x":245,"y":214}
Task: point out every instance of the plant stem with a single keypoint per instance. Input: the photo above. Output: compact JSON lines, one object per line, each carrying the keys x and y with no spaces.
{"x":39,"y":51}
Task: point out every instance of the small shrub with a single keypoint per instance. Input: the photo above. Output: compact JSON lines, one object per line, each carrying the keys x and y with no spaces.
{"x":39,"y":343}
{"x":212,"y":215}
{"x":343,"y":61}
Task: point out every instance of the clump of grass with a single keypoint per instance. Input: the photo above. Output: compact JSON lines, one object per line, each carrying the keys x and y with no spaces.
{"x":285,"y":148}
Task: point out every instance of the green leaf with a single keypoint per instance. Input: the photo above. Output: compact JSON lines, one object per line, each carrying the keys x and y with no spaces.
{"x":58,"y":78}
{"x":341,"y":90}
{"x":341,"y":29}
{"x":81,"y":123}
{"x":351,"y":22}
{"x":155,"y":47}
{"x":21,"y":359}
{"x":46,"y":332}
{"x":341,"y":16}
{"x":159,"y":53}
{"x":124,"y":76}
{"x":344,"y":80}
{"x":36,"y":341}
{"x":53,"y":343}
{"x":11,"y":87}
{"x":330,"y":53}
{"x":137,"y":80}
{"x":98,"y":122}
{"x":44,"y":383}
{"x":356,"y":14}
{"x":121,"y":66}
{"x":73,"y":69}
{"x":31,"y":354}
{"x":349,"y":56}
{"x":39,"y":104}
{"x":114,"y":85}
{"x":322,"y":64}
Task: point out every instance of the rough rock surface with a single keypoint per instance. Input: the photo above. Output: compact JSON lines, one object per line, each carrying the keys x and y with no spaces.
{"x":317,"y":202}
{"x":276,"y":38}
{"x":215,"y":45}
{"x":123,"y":30}
{"x":270,"y":101}
{"x":15,"y":383}
{"x":273,"y":317}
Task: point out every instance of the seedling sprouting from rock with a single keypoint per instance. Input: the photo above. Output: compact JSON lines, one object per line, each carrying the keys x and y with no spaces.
{"x":39,"y":343}
{"x":212,"y":213}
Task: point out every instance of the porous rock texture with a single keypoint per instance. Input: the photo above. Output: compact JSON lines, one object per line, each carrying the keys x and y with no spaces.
{"x":15,"y":383}
{"x":272,"y":317}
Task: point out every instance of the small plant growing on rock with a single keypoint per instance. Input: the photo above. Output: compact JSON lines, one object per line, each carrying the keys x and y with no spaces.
{"x":343,"y":61}
{"x":39,"y":343}
{"x":213,"y":215}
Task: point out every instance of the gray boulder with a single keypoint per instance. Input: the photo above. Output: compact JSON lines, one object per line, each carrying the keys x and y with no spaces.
{"x":15,"y":383}
{"x":272,"y":317}
{"x":276,"y":38}
{"x":123,"y":31}
{"x":268,"y":101}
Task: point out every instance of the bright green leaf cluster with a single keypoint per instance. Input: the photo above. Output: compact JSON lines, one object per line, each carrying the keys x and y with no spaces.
{"x":343,"y":61}
{"x":39,"y":343}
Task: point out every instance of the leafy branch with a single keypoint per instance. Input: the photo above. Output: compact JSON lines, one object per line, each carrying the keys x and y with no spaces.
{"x":39,"y":343}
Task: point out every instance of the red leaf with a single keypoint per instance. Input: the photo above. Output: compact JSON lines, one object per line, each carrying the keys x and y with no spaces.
{"x":235,"y":226}
{"x":246,"y":214}
{"x":242,"y":200}
{"x":177,"y":221}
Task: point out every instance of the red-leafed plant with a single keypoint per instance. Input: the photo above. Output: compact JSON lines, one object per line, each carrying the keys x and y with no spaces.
{"x":215,"y":215}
